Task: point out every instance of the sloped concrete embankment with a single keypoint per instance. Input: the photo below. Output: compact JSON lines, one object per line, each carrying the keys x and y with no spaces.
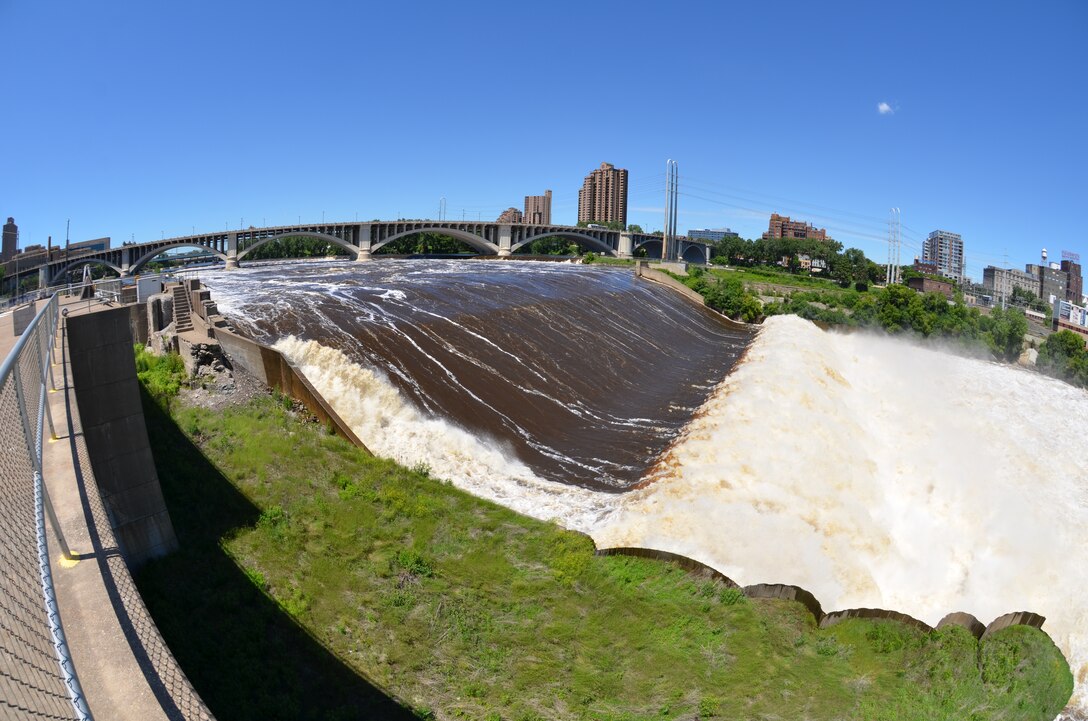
{"x":274,"y":370}
{"x":643,"y":270}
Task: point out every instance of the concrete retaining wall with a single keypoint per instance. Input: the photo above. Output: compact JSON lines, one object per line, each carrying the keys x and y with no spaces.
{"x":643,"y":270}
{"x":21,"y":317}
{"x":112,"y":415}
{"x":964,"y":620}
{"x":271,"y":367}
{"x":810,"y":602}
{"x":683,"y":561}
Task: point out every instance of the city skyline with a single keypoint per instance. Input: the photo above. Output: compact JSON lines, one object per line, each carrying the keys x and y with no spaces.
{"x":985,"y":143}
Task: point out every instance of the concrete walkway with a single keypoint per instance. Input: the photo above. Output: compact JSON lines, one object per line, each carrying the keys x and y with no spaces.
{"x":124,"y":666}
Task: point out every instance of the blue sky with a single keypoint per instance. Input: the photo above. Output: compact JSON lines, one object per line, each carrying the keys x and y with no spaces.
{"x":141,"y":119}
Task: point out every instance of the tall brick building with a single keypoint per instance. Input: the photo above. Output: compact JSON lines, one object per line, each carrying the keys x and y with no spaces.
{"x":11,"y":241}
{"x":1074,"y":289}
{"x":538,"y":208}
{"x":603,"y":197}
{"x":781,"y":226}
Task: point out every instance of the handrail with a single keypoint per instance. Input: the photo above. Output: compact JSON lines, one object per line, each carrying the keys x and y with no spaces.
{"x":23,"y":383}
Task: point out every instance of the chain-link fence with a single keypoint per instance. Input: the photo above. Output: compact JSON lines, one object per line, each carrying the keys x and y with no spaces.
{"x":37,"y":677}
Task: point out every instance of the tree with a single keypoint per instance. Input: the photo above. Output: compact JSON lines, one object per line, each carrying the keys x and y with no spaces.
{"x":1024,"y":297}
{"x":1064,"y":355}
{"x":730,"y":247}
{"x":856,"y":265}
{"x":1004,"y":332}
{"x":634,"y":228}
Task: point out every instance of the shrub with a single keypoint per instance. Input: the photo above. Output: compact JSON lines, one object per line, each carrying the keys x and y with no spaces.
{"x":161,"y":376}
{"x":412,"y":562}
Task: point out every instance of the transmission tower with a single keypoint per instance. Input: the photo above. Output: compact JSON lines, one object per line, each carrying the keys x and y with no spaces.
{"x":672,"y":180}
{"x":895,"y":241}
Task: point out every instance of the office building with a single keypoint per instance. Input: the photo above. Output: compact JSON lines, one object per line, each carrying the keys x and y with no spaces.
{"x":11,"y":241}
{"x":538,"y":209}
{"x":1050,"y":282}
{"x":603,"y":197}
{"x":781,"y":226}
{"x":1074,"y":286}
{"x":510,"y":215}
{"x":945,"y":250}
{"x":929,"y":285}
{"x":999,"y":282}
{"x":711,"y":234}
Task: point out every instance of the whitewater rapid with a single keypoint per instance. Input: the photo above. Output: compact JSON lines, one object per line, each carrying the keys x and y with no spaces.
{"x":868,"y":470}
{"x":876,"y":473}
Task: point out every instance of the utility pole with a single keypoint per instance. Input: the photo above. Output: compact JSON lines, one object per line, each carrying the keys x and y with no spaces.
{"x":672,"y":180}
{"x":893,"y":274}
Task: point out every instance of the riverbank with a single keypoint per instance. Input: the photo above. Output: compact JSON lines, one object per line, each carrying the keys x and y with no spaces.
{"x":315,"y":581}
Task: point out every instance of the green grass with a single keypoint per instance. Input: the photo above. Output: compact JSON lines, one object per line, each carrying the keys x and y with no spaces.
{"x":317,"y":582}
{"x":768,"y":275}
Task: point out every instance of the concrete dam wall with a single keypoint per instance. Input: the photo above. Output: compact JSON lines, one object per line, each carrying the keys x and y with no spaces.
{"x":824,"y":619}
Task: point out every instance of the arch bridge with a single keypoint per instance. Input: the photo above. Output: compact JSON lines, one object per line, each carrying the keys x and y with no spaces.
{"x":361,"y":240}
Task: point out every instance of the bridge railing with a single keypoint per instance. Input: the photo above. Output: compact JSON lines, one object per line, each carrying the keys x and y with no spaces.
{"x":37,"y":676}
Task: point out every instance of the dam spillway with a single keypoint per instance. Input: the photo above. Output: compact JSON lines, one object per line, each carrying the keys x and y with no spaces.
{"x":584,"y":375}
{"x":871,"y":471}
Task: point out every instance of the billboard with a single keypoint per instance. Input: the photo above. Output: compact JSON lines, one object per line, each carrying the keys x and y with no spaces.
{"x":1075,"y":314}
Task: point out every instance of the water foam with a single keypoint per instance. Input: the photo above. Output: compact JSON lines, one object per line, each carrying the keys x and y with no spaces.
{"x":877,"y":473}
{"x":394,"y":428}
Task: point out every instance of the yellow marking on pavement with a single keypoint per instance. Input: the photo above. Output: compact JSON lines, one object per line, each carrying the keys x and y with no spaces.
{"x":68,"y":562}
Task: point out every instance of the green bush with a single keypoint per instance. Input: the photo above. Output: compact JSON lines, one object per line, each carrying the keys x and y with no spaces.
{"x":160,"y":375}
{"x":729,"y":297}
{"x":1064,"y":355}
{"x":413,"y":562}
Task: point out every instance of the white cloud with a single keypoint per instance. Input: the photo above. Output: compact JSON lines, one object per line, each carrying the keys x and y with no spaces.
{"x":885,"y":109}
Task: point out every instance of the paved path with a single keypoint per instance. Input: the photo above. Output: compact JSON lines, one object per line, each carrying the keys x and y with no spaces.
{"x":125,"y":668}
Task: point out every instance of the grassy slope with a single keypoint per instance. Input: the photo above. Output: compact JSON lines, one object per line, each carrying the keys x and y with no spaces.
{"x":314,"y":579}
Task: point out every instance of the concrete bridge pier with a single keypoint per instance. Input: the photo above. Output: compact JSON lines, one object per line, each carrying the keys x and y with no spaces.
{"x":626,"y":246}
{"x":505,"y":233}
{"x":362,"y":238}
{"x":232,"y":252}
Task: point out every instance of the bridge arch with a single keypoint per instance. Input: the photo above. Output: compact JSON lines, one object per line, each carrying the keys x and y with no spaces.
{"x":63,"y":270}
{"x":589,"y":240}
{"x":173,"y":246}
{"x":653,"y":247}
{"x":475,"y":241}
{"x":354,"y":250}
{"x":694,"y":254}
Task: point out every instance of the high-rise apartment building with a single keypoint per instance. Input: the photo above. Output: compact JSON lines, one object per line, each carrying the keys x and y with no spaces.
{"x":781,"y":226}
{"x":711,"y":234}
{"x":603,"y":197}
{"x":1074,"y":288}
{"x":538,"y":209}
{"x":510,"y":215}
{"x":11,"y":241}
{"x":944,"y":250}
